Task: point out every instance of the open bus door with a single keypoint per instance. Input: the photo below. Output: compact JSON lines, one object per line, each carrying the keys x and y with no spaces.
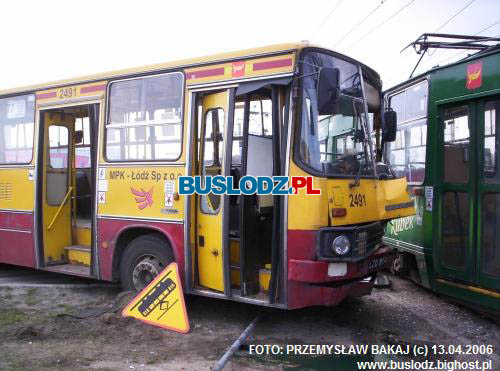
{"x":469,"y":194}
{"x":210,"y":237}
{"x":57,"y":185}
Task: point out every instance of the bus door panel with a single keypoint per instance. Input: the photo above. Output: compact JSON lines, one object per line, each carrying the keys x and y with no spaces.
{"x":210,"y":211}
{"x":57,"y":185}
{"x":488,"y":199}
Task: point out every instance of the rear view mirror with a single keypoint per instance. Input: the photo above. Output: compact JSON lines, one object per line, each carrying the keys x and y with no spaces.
{"x":389,"y":125}
{"x":328,"y":90}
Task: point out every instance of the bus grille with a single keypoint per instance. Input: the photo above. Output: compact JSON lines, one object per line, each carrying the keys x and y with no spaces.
{"x":367,"y":238}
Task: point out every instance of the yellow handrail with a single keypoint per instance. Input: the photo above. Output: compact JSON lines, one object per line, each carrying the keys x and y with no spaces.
{"x":60,"y":207}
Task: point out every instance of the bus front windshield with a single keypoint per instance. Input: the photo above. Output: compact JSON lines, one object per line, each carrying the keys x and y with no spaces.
{"x":336,"y":144}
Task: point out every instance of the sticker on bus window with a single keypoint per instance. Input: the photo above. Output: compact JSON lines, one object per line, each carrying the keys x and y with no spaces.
{"x":16,"y":108}
{"x":102,"y":197}
{"x":102,"y":173}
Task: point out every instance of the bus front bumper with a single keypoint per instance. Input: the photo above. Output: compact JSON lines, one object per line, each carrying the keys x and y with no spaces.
{"x":327,"y":283}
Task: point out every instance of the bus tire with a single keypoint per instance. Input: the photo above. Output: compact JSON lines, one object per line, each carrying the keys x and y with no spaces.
{"x":144,"y":258}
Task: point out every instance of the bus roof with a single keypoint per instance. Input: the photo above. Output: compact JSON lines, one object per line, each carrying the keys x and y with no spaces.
{"x":270,"y":49}
{"x":183,"y":63}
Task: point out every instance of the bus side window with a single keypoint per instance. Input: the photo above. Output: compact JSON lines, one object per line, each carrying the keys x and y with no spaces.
{"x":17,"y":117}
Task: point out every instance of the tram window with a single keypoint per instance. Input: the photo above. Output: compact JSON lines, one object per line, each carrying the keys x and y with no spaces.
{"x":17,"y":116}
{"x":491,"y":142}
{"x":455,"y":229}
{"x":416,"y":101}
{"x":145,"y":119}
{"x":490,"y":234}
{"x":407,"y":155}
{"x":456,"y":144}
{"x":397,"y":103}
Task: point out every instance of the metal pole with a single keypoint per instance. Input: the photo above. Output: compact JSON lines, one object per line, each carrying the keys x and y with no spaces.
{"x":236,"y":345}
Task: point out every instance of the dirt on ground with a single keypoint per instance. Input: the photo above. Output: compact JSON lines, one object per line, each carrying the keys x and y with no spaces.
{"x":40,"y":329}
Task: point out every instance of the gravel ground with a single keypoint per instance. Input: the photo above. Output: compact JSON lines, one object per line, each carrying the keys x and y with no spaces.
{"x":38,"y":332}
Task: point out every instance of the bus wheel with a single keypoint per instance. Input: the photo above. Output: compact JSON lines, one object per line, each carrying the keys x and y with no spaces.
{"x":143,"y":259}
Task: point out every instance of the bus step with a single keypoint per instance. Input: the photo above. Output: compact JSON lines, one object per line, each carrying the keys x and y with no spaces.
{"x":78,"y":255}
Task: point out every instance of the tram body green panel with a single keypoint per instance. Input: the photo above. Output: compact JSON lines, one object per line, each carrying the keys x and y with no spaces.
{"x":421,"y":237}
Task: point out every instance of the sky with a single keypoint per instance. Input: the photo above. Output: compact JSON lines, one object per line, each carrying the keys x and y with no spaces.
{"x":52,"y":39}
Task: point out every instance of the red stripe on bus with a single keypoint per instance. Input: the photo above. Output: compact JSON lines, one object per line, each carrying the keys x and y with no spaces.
{"x":272,"y":64}
{"x":91,"y":89}
{"x":205,"y":73}
{"x":51,"y":94}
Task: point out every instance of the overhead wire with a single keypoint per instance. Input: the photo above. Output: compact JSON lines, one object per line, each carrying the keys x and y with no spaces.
{"x":454,"y":16}
{"x":326,"y":18}
{"x":444,"y":24}
{"x":380,"y":24}
{"x":360,"y":22}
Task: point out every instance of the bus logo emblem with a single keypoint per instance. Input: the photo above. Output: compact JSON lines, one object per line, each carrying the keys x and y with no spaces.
{"x":144,"y":199}
{"x":238,"y":69}
{"x":474,"y":75}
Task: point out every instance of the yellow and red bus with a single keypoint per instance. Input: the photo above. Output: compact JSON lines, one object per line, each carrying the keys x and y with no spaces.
{"x":89,"y":172}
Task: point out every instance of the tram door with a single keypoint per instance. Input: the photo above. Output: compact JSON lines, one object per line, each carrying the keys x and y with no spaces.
{"x":469,"y":193}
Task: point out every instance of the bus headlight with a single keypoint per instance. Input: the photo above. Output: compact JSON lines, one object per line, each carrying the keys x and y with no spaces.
{"x":341,"y":245}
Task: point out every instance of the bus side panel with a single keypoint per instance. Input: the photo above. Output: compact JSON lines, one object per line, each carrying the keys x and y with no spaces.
{"x":16,"y":217}
{"x":111,"y":229}
{"x":16,"y":238}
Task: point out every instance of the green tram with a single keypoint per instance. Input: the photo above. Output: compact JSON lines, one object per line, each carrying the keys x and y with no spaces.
{"x":448,"y":147}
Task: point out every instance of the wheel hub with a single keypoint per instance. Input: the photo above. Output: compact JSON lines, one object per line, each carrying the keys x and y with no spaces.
{"x":146,"y":269}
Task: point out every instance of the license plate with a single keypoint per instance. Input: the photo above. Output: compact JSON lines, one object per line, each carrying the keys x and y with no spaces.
{"x":377,"y":263}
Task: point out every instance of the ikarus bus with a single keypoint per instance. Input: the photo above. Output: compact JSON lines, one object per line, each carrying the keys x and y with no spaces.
{"x":90,"y":167}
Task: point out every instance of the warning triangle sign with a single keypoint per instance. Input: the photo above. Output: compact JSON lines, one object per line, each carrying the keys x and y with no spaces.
{"x":161,"y":303}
